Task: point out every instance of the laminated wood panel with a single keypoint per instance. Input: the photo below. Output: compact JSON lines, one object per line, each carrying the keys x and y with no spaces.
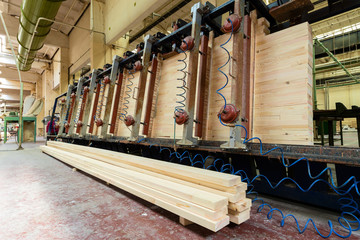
{"x":283,"y":85}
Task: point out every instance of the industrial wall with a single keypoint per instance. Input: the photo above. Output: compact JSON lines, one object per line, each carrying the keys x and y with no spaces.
{"x":79,"y":44}
{"x":347,"y":95}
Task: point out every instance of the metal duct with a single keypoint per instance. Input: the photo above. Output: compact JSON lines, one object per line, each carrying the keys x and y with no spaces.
{"x":30,"y":42}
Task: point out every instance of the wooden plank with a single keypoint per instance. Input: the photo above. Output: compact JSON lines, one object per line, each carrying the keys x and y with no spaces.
{"x":188,"y":173}
{"x":232,"y":197}
{"x":202,"y":198}
{"x":239,"y":218}
{"x":281,"y":109}
{"x":184,"y":221}
{"x":133,"y":188}
{"x":241,"y":205}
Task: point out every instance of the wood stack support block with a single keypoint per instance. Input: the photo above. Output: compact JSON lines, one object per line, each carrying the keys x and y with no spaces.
{"x":207,"y":198}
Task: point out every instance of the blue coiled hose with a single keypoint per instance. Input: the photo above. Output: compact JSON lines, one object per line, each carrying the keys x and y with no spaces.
{"x":348,"y":206}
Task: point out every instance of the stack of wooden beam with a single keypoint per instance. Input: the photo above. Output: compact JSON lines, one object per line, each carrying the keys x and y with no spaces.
{"x":210,"y":199}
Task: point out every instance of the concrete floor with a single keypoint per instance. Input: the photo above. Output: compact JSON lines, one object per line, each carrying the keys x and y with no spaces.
{"x":42,"y":198}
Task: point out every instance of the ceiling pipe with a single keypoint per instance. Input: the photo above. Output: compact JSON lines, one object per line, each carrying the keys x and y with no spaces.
{"x":32,"y":34}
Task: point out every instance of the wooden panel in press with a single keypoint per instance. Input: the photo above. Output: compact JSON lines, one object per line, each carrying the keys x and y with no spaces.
{"x":163,"y":121}
{"x":133,"y":188}
{"x":188,"y":173}
{"x":130,"y":81}
{"x":232,"y":197}
{"x":281,"y":105}
{"x":202,"y":198}
{"x":215,"y":130}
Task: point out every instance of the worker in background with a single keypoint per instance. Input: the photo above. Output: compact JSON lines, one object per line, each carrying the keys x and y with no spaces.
{"x":54,"y":128}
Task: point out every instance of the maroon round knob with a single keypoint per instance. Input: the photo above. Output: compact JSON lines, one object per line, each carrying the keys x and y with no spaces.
{"x":79,"y":124}
{"x":229,"y":113}
{"x":73,"y":95}
{"x":138,"y":66}
{"x":86,"y":89}
{"x":98,"y":122}
{"x":106,"y":80}
{"x":67,"y":125}
{"x":187,"y":44}
{"x":181,"y":117}
{"x":63,"y":100}
{"x":232,"y":23}
{"x":129,"y":120}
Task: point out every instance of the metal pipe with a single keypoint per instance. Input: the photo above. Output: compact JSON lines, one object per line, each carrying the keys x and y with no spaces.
{"x":52,"y":21}
{"x":314,"y":80}
{"x":31,"y":36}
{"x":316,"y":41}
{"x":67,"y":14}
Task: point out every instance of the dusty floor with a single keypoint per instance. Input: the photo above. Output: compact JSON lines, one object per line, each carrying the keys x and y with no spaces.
{"x":42,"y":198}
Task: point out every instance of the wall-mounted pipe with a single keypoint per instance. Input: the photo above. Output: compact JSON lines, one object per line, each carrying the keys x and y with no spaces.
{"x":32,"y":34}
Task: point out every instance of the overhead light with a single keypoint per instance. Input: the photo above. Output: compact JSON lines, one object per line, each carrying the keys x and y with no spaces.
{"x":0,"y":72}
{"x":0,"y":90}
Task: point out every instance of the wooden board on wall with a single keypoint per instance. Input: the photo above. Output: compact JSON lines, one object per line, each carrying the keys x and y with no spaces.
{"x":216,"y":131}
{"x":163,"y":122}
{"x":122,"y":130}
{"x":283,"y":86}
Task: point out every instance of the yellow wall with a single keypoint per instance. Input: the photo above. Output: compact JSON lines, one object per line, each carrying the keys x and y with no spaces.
{"x":347,"y":95}
{"x":79,"y":44}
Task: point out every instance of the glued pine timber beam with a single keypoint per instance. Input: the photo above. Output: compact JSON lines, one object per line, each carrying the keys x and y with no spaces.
{"x":232,"y":197}
{"x":196,"y":175}
{"x":202,"y":198}
{"x":135,"y":189}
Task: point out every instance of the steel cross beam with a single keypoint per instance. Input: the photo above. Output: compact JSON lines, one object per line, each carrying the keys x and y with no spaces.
{"x":109,"y":97}
{"x":67,"y":106}
{"x":187,"y":138}
{"x":83,"y":129}
{"x":149,"y":40}
{"x":77,"y":99}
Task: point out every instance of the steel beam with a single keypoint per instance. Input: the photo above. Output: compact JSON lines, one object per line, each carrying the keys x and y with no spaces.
{"x":63,"y":120}
{"x":187,"y":138}
{"x":83,"y":130}
{"x":109,"y":98}
{"x":149,"y":40}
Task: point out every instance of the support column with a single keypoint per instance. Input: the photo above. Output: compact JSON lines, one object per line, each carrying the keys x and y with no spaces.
{"x":97,"y":37}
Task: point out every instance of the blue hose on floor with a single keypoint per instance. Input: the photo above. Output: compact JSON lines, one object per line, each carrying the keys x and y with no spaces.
{"x":348,"y":206}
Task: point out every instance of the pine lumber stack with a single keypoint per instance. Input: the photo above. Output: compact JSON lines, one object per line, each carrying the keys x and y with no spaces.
{"x":208,"y":198}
